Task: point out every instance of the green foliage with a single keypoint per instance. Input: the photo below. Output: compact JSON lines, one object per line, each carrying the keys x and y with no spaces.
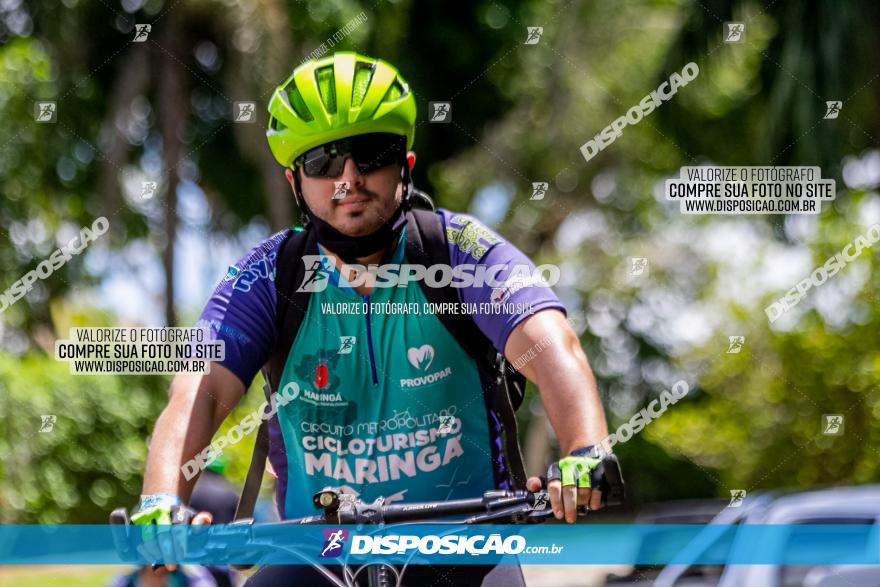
{"x":94,"y":457}
{"x":758,"y":422}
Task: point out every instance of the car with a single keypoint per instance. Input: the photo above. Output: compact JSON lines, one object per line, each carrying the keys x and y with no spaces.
{"x":843,"y":576}
{"x":838,"y":505}
{"x":684,"y":511}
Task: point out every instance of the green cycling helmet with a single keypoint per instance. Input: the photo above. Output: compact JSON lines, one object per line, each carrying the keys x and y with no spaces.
{"x":338,"y":96}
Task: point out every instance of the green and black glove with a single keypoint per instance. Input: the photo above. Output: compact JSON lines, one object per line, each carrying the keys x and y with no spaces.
{"x":588,"y":468}
{"x":157,"y":515}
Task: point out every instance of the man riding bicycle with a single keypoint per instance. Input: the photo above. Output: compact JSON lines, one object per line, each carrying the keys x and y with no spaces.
{"x":381,"y":397}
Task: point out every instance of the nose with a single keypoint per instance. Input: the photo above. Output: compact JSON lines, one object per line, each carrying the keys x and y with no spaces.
{"x":352,"y":174}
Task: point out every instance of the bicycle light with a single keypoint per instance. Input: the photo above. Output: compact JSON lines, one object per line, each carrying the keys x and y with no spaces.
{"x":327,"y":498}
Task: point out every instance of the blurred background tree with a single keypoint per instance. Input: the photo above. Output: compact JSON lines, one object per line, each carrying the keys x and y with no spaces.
{"x":162,"y":110}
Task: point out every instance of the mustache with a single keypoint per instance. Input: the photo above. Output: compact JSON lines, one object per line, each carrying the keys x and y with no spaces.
{"x":362,"y":191}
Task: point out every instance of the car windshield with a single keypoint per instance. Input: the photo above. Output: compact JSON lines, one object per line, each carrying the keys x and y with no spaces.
{"x":798,"y":575}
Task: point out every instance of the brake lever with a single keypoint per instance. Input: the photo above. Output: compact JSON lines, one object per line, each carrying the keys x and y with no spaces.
{"x":120,"y":527}
{"x":120,"y":524}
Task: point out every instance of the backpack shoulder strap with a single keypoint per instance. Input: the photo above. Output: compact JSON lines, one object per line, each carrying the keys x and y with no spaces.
{"x":290,"y":311}
{"x":250,"y":491}
{"x":426,"y":244}
{"x":290,"y":305}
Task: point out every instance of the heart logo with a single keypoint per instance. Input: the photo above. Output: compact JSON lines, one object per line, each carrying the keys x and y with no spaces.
{"x":422,"y":357}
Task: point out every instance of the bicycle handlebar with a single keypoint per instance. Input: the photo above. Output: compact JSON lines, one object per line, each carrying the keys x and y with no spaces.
{"x":342,"y":508}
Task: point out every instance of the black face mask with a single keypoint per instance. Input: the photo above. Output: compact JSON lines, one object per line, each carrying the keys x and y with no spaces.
{"x":350,"y":247}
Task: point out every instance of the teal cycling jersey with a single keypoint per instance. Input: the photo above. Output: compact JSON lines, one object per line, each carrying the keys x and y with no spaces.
{"x":380,"y":398}
{"x":388,"y":405}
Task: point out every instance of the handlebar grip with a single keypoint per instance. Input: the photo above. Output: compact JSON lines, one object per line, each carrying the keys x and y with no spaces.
{"x":119,"y":516}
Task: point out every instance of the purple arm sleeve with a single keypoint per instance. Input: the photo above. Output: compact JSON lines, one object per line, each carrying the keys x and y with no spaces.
{"x":241,"y":311}
{"x":513,"y":296}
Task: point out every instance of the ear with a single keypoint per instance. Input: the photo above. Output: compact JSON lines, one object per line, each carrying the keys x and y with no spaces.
{"x":411,"y":159}
{"x":292,"y":179}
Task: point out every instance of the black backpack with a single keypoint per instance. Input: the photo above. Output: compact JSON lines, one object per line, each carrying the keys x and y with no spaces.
{"x":425,"y":245}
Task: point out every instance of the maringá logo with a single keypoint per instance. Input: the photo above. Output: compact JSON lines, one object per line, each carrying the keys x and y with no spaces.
{"x":421,"y":357}
{"x":320,"y":379}
{"x":322,"y":374}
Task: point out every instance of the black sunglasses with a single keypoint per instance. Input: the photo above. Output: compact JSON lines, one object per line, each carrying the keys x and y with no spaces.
{"x":369,"y":152}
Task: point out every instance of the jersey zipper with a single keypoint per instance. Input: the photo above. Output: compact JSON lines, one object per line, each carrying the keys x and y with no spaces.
{"x":370,"y":343}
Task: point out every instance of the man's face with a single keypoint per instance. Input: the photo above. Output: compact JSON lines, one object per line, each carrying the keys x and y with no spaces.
{"x":370,"y":200}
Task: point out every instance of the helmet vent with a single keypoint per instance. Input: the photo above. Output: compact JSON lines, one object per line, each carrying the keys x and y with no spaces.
{"x":363,"y":75}
{"x":395,"y":92}
{"x":295,"y":99}
{"x":327,"y":87}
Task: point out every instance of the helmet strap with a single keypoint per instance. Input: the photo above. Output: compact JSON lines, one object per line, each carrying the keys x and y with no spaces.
{"x":407,"y":186}
{"x":300,"y":199}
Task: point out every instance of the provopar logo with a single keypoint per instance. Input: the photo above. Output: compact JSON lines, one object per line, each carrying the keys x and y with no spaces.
{"x":421,"y":358}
